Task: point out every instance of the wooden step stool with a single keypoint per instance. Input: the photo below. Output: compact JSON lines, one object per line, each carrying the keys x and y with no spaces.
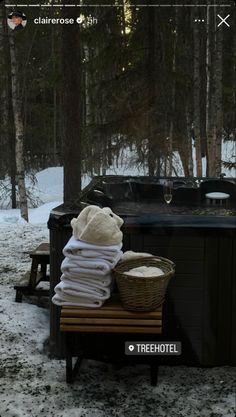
{"x":40,"y":257}
{"x":110,"y":318}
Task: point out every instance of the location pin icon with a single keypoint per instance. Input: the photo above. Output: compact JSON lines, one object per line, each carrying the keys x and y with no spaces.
{"x":131,"y":348}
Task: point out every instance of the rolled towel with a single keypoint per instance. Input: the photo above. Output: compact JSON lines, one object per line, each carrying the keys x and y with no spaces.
{"x":78,"y":247}
{"x":79,"y":302}
{"x":98,"y":225}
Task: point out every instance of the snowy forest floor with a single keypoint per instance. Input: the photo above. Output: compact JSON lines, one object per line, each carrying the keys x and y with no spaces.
{"x":33,"y":385}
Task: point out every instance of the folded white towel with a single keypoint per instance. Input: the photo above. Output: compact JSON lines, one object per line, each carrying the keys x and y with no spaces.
{"x":129,"y":254}
{"x":98,"y":269}
{"x":79,"y":302}
{"x":97,"y":263}
{"x":88,"y":253}
{"x":78,"y":247}
{"x":97,"y":282}
{"x":75,"y":275}
{"x":72,"y":289}
{"x":66,"y":295}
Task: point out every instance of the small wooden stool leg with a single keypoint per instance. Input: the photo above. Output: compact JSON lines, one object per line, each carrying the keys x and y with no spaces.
{"x":69,"y":373}
{"x":44,"y":270}
{"x":76,"y":367}
{"x":154,"y":374}
{"x":18,"y":298}
{"x":33,"y":274}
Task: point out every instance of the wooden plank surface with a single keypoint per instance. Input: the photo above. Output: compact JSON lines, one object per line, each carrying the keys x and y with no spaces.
{"x":110,"y":318}
{"x":110,"y":329}
{"x":117,"y":322}
{"x":113,"y":303}
{"x":107,"y":313}
{"x":109,"y":305}
{"x":42,"y":249}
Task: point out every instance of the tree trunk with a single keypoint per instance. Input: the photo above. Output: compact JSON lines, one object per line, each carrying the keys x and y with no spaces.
{"x":17,"y":104}
{"x":173,"y":93}
{"x":4,"y":98}
{"x":214,"y":96}
{"x":218,"y":100}
{"x":207,"y":86}
{"x":151,"y":82}
{"x":54,"y":97}
{"x":210,"y":105}
{"x":72,"y":106}
{"x":196,"y":99}
{"x":6,"y":116}
{"x":183,"y":153}
{"x":189,"y":142}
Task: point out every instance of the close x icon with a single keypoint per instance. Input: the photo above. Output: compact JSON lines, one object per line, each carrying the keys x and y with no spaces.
{"x":223,"y":20}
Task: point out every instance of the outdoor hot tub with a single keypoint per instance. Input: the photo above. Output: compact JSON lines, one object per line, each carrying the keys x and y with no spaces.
{"x":199,"y":237}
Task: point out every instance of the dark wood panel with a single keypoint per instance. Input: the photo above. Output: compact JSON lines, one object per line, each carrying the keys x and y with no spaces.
{"x":194,"y":333}
{"x":180,"y":310}
{"x":188,"y":267}
{"x":136,"y":243}
{"x":187,"y":280}
{"x":210,"y":301}
{"x":189,"y":321}
{"x":181,"y":294}
{"x":177,"y":252}
{"x":233,"y":313}
{"x":201,"y":295}
{"x":224,"y":308}
{"x":57,"y":242}
{"x":173,"y":240}
{"x":126,"y":242}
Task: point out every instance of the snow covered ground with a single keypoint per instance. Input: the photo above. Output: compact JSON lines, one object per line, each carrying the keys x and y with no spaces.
{"x":33,"y":385}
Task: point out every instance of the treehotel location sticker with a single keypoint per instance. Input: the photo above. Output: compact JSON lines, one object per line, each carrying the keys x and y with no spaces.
{"x":153,"y":348}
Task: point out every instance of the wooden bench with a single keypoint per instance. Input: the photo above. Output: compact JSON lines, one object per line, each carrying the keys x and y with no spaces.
{"x":110,"y":318}
{"x":28,"y":286}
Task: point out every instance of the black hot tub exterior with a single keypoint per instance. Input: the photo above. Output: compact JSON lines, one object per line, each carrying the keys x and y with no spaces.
{"x":200,"y":309}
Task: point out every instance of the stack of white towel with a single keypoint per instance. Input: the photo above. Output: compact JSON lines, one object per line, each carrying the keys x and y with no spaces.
{"x":86,"y":273}
{"x":86,"y":279}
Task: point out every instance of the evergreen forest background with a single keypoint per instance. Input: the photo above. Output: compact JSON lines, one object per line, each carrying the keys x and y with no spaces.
{"x":150,"y":79}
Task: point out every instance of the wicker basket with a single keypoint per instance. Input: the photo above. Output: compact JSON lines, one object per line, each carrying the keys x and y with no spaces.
{"x":143,"y":293}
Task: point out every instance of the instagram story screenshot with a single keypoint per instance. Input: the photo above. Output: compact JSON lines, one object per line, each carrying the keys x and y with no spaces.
{"x":118,"y":208}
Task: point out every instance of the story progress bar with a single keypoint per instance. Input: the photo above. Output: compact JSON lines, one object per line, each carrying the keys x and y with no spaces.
{"x":117,"y":5}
